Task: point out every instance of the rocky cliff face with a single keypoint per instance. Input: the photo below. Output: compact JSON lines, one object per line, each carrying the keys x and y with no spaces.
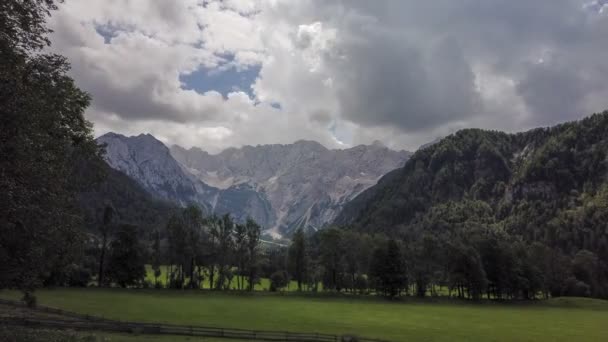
{"x":305,"y":183}
{"x":283,"y":187}
{"x":149,"y":162}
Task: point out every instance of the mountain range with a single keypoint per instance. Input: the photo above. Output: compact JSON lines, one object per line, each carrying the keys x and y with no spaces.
{"x":282,"y":187}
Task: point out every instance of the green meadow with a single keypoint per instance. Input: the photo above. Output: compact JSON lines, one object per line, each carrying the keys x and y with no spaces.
{"x":562,"y":319}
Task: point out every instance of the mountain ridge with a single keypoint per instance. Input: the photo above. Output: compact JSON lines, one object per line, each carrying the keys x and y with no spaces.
{"x":282,"y":186}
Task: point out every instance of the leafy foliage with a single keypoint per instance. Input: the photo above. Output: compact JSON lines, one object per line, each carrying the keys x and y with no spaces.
{"x":42,"y":133}
{"x":127,"y":257}
{"x":298,"y":258}
{"x":512,"y":214}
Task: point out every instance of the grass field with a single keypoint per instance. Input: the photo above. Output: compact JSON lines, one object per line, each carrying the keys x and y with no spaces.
{"x":555,"y":320}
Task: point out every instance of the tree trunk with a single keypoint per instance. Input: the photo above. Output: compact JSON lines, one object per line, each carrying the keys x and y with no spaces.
{"x":168,"y":275}
{"x":101,"y":260}
{"x":251,"y":280}
{"x":192,"y":272}
{"x":211,"y":276}
{"x":181,"y":275}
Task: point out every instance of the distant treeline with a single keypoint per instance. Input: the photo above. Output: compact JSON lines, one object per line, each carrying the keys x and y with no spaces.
{"x":465,"y":260}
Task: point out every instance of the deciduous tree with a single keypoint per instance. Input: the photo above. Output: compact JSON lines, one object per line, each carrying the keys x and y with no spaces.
{"x":126,"y":265}
{"x":298,"y":258}
{"x":42,"y":132}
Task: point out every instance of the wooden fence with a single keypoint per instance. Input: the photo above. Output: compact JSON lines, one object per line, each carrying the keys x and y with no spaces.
{"x":88,"y":322}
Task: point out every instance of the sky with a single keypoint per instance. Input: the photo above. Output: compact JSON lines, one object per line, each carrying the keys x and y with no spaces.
{"x":218,"y":74}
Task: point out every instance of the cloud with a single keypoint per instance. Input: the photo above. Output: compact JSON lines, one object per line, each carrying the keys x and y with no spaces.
{"x":408,"y":87}
{"x":341,"y":73}
{"x":555,"y":90}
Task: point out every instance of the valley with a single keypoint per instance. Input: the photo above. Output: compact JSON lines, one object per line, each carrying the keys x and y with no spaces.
{"x":282,"y":187}
{"x":309,"y":171}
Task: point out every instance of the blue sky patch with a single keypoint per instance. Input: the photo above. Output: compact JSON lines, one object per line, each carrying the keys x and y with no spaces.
{"x":223,"y":82}
{"x":107,"y":32}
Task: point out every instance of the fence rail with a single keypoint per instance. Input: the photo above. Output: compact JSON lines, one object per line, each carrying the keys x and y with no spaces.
{"x":88,"y":322}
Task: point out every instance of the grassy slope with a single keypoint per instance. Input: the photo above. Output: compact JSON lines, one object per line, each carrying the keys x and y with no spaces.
{"x":559,"y":320}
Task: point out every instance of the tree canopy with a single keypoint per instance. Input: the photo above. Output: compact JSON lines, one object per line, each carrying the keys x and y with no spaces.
{"x":42,"y":133}
{"x":508,"y":208}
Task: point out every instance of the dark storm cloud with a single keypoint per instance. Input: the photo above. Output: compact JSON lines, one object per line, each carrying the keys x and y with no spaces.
{"x":389,"y":81}
{"x":553,"y":94}
{"x":412,"y":67}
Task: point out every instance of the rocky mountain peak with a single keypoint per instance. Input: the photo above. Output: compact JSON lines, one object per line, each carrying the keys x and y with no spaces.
{"x":305,"y":183}
{"x":283,"y":187}
{"x":148,"y":161}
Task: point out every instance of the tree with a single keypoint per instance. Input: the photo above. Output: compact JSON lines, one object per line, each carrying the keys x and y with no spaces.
{"x":466,"y":271}
{"x":156,"y":257}
{"x":330,"y":255}
{"x":212,"y":225}
{"x":176,"y":243}
{"x":498,"y":262}
{"x":274,"y":259}
{"x":240,"y":252}
{"x":42,"y":133}
{"x":253,"y":232}
{"x":79,"y":273}
{"x":388,"y":270}
{"x":315,"y":275}
{"x":353,"y":247}
{"x":185,"y":242}
{"x":297,"y":257}
{"x":361,"y":284}
{"x":378,"y":270}
{"x":278,"y":280}
{"x":425,"y":264}
{"x":23,"y":24}
{"x":586,"y":268}
{"x":192,"y":219}
{"x":105,"y":230}
{"x":127,"y":259}
{"x":539,"y":256}
{"x":394,"y":278}
{"x":224,"y":243}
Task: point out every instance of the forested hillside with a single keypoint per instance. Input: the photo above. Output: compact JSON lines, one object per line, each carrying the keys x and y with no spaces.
{"x":536,"y":200}
{"x":102,"y":186}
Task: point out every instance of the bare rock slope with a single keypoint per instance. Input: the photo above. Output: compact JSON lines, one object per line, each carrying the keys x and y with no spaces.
{"x":283,"y":187}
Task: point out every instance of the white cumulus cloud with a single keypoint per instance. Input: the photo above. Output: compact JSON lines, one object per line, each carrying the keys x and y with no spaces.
{"x":342,"y":73}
